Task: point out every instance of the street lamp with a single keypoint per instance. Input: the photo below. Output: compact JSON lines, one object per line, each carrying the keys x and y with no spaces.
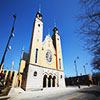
{"x":76,"y":65}
{"x":7,"y":46}
{"x":85,"y":68}
{"x":92,"y":71}
{"x":77,"y":81}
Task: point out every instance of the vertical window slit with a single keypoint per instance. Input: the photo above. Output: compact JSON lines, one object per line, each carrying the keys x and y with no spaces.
{"x":36,"y":55}
{"x":60,"y":63}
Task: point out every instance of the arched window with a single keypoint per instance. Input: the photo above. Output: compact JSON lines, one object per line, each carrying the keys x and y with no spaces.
{"x":61,"y":76}
{"x":18,"y":83}
{"x":38,"y":25}
{"x":60,"y":63}
{"x":36,"y":55}
{"x":12,"y":76}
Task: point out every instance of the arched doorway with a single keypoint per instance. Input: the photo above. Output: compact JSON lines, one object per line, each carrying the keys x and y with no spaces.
{"x":49,"y":81}
{"x":53,"y":81}
{"x":18,"y":83}
{"x":44,"y":81}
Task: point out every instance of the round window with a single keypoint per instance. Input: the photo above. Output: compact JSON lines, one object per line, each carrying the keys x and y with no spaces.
{"x":35,"y":73}
{"x":48,"y":56}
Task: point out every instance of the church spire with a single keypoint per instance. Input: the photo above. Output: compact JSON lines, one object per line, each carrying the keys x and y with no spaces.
{"x":55,"y":30}
{"x":48,"y":32}
{"x":39,"y":15}
{"x":22,"y":53}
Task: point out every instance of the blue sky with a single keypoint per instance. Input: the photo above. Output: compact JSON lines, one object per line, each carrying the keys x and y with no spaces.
{"x":64,"y":12}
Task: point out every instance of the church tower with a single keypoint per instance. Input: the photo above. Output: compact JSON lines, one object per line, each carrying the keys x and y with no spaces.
{"x":36,"y":40}
{"x":32,"y":74}
{"x":57,"y":45}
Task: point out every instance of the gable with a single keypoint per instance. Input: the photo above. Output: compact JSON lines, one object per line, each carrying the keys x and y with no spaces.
{"x":47,"y":46}
{"x":48,"y":43}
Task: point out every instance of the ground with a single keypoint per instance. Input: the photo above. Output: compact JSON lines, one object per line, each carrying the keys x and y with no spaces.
{"x":68,"y":93}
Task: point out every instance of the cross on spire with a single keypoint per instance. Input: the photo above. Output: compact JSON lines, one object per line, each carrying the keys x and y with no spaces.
{"x":48,"y":32}
{"x":54,"y":23}
{"x":39,"y":8}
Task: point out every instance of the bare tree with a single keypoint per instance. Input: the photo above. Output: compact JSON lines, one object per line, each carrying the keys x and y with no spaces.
{"x":90,"y":28}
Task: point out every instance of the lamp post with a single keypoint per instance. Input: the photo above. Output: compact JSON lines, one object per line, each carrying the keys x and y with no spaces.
{"x":7,"y":46}
{"x":85,"y":68}
{"x":77,"y":78}
{"x":76,"y":66}
{"x":92,"y":71}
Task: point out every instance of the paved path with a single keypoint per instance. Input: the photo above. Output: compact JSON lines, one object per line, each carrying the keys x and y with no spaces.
{"x":69,"y":93}
{"x":92,"y":93}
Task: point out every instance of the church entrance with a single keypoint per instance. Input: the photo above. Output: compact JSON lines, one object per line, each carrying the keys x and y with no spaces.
{"x":53,"y":81}
{"x":18,"y":83}
{"x":49,"y":81}
{"x":44,"y":81}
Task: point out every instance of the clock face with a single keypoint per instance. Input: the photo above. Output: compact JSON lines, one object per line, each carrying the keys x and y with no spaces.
{"x":49,"y":56}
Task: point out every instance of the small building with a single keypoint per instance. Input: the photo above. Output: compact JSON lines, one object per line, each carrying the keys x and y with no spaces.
{"x":82,"y":80}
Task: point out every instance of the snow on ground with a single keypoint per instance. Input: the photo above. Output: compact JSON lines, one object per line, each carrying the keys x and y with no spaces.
{"x":18,"y":93}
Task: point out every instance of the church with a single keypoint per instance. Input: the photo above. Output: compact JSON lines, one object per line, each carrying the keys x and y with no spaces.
{"x":42,"y":67}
